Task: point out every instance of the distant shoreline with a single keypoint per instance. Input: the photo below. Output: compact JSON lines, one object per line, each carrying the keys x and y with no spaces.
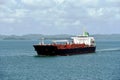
{"x":62,"y":36}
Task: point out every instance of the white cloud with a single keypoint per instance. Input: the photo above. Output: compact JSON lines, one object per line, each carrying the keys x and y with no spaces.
{"x":90,"y":2}
{"x":104,"y":13}
{"x":7,"y":20}
{"x":38,"y":3}
{"x":113,"y":1}
{"x":117,"y":16}
{"x":77,"y":23}
{"x":13,"y":2}
{"x":83,"y":3}
{"x":5,"y":8}
{"x":112,"y":12}
{"x":1,"y":2}
{"x":59,"y":1}
{"x":1,"y":14}
{"x":95,"y":12}
{"x":9,"y":3}
{"x":30,"y":2}
{"x":17,"y":13}
{"x":12,"y":15}
{"x":20,"y":13}
{"x":59,"y":13}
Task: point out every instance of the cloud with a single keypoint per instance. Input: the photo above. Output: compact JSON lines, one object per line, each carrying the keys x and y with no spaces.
{"x":82,"y":3}
{"x":20,"y":13}
{"x":6,"y":10}
{"x":8,"y":20}
{"x":117,"y":16}
{"x":113,"y":1}
{"x":105,"y":13}
{"x":38,"y":3}
{"x":13,"y":2}
{"x":1,"y":2}
{"x":59,"y":1}
{"x":59,"y":14}
{"x":31,"y":2}
{"x":93,"y":12}
{"x":9,"y":15}
{"x":67,"y":10}
{"x":8,"y":2}
{"x":89,"y":2}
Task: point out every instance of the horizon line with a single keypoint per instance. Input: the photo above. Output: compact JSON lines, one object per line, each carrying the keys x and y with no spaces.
{"x":54,"y":34}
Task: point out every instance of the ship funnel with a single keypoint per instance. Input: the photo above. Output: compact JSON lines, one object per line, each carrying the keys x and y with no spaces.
{"x":85,"y":34}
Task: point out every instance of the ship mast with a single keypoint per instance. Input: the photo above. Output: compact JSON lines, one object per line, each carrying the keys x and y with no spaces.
{"x":85,"y":33}
{"x":42,"y":41}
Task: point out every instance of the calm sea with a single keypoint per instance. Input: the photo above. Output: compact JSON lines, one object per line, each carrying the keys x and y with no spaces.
{"x":18,"y":61}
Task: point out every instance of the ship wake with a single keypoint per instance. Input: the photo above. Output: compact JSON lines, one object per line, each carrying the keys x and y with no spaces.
{"x":108,"y":49}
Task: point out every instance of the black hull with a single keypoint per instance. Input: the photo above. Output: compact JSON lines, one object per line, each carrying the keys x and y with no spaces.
{"x":52,"y":50}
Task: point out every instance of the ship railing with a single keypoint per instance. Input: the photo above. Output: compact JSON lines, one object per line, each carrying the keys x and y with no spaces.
{"x":60,"y":41}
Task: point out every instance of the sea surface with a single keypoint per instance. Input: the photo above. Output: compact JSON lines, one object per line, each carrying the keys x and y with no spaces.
{"x":19,"y":61}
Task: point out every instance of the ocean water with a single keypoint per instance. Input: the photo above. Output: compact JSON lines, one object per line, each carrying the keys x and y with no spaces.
{"x":18,"y":61}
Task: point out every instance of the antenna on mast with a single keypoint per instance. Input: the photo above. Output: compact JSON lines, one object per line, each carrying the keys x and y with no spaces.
{"x":42,"y":41}
{"x":85,"y":33}
{"x":84,"y":30}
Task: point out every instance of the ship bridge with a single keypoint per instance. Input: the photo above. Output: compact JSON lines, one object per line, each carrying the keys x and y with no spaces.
{"x":84,"y":40}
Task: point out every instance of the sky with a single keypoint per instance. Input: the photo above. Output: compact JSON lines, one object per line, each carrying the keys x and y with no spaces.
{"x":50,"y":17}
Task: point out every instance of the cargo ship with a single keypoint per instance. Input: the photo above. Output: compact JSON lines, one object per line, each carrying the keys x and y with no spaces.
{"x":81,"y":44}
